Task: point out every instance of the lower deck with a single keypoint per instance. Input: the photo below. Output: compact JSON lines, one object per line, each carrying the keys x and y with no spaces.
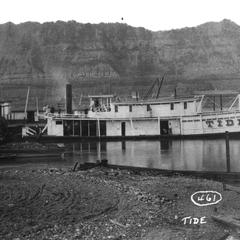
{"x":187,"y":125}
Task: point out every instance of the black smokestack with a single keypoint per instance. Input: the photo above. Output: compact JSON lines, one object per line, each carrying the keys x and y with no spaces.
{"x":69,"y":98}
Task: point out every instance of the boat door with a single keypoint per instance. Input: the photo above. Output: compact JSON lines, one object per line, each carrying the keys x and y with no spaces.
{"x":123,"y":128}
{"x":164,"y":127}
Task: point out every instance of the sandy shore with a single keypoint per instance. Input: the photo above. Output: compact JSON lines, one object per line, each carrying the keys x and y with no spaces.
{"x":103,"y":203}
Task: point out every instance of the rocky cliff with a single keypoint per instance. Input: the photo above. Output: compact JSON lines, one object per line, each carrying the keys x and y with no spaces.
{"x":117,"y":58}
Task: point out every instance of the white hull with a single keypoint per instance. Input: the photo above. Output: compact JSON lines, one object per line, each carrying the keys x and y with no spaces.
{"x":186,"y":125}
{"x":165,"y":117}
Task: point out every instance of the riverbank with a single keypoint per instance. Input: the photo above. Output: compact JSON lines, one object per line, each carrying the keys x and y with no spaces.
{"x":103,"y":203}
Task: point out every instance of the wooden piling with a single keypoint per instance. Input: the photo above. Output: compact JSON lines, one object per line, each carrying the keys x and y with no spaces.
{"x":227,"y":152}
{"x":75,"y":166}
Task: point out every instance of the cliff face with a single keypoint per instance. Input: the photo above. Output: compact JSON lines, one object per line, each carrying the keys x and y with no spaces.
{"x":114,"y":58}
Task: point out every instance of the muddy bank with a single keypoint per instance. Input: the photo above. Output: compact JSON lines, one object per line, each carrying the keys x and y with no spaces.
{"x":103,"y":203}
{"x":30,"y":147}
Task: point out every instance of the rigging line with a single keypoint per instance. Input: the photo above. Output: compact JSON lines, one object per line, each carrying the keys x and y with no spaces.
{"x":160,"y":86}
{"x":207,"y":98}
{"x":230,"y":101}
{"x":150,"y":89}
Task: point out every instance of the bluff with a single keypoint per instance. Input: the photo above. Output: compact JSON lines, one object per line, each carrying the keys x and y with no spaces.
{"x":114,"y":57}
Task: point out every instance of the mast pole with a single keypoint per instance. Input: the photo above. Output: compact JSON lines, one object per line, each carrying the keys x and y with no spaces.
{"x":26,"y":104}
{"x":239,"y":102}
{"x":221,"y":105}
{"x":37,"y":105}
{"x":213,"y":103}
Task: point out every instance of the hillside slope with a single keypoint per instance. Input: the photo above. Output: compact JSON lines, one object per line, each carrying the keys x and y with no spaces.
{"x":102,"y":58}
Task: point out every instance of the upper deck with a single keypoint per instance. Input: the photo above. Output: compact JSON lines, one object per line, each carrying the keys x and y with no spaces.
{"x":111,"y":107}
{"x":104,"y":106}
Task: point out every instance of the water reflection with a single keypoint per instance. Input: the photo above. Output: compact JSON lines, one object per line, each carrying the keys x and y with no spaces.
{"x":195,"y":155}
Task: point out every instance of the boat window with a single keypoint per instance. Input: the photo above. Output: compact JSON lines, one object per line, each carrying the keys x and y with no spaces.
{"x":76,"y":128}
{"x":68,"y":127}
{"x":172,"y":106}
{"x":116,"y":108}
{"x":59,"y":122}
{"x":130,"y":108}
{"x":185,"y":105}
{"x":149,"y":107}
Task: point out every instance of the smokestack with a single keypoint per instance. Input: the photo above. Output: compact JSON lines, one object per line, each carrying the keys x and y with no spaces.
{"x":175,"y":92}
{"x":69,"y":98}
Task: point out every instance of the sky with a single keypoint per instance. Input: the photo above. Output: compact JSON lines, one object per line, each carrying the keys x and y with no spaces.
{"x":154,"y":15}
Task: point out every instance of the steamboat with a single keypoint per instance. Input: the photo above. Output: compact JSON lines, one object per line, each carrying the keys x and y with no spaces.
{"x":107,"y":117}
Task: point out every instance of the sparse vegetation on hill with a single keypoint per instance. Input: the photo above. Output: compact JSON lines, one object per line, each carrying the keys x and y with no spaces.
{"x":94,"y":56}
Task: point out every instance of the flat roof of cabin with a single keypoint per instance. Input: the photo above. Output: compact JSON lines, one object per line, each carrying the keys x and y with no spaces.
{"x":101,"y":96}
{"x":159,"y":100}
{"x":216,"y":92}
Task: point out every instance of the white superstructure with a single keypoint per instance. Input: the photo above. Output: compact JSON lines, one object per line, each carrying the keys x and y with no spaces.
{"x":107,"y":116}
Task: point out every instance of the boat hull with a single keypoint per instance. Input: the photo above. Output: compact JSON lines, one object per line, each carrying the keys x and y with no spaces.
{"x":45,"y":138}
{"x":195,"y":126}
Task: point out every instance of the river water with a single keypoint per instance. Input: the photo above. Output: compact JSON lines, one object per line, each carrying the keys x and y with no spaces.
{"x":192,"y":155}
